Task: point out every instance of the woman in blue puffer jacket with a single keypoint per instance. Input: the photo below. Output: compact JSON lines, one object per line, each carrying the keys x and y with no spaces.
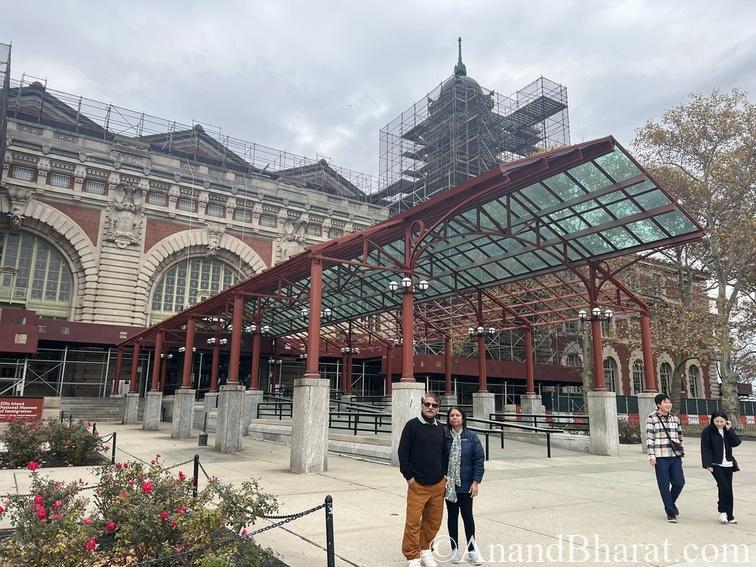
{"x":466,"y":461}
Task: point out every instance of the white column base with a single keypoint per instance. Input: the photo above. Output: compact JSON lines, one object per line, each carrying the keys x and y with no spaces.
{"x":406,"y":398}
{"x":183,"y":414}
{"x":602,"y":413}
{"x":309,"y":431}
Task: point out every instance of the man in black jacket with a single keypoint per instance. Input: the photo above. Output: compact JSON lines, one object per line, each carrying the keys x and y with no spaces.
{"x":421,"y":462}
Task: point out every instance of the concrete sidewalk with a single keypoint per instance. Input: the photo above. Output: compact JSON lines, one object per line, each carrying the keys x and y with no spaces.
{"x":603,"y":505}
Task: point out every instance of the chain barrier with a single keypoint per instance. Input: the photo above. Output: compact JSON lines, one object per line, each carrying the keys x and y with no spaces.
{"x":179,"y":465}
{"x":207,"y":476}
{"x":132,"y":456}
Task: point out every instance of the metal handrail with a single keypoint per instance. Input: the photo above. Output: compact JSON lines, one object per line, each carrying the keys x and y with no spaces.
{"x":493,"y":422}
{"x":353,"y":421}
{"x":544,"y":419}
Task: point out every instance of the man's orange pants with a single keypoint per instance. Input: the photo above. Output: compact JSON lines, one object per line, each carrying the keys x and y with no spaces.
{"x":425,"y":510}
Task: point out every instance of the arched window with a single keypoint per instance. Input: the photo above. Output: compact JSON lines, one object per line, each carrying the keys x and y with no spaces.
{"x":639,"y":376}
{"x":610,"y":374}
{"x":665,"y":375}
{"x":187,"y":282}
{"x":34,"y":274}
{"x":694,"y":373}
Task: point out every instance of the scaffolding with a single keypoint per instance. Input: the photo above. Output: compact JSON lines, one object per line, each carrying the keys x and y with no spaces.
{"x":5,"y":63}
{"x":460,"y":130}
{"x":32,"y":101}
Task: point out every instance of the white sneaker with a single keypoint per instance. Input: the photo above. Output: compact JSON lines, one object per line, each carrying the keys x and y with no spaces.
{"x":475,"y":557}
{"x":733,"y":521}
{"x":455,"y":558}
{"x":427,"y":559}
{"x":723,"y":518}
{"x":414,"y":563}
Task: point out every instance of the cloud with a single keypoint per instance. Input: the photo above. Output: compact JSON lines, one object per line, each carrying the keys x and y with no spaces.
{"x":321,"y":78}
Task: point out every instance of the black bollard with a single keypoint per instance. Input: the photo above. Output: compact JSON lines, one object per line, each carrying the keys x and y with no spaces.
{"x":112,"y":455}
{"x":203,"y":434}
{"x":195,"y":480}
{"x":330,"y":549}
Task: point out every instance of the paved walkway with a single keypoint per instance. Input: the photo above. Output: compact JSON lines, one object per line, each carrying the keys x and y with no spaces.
{"x":605,"y":505}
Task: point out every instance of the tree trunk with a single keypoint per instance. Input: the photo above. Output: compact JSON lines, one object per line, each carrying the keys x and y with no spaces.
{"x":730,"y":403}
{"x":676,"y":385}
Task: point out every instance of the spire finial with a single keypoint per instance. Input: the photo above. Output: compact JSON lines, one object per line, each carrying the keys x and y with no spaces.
{"x":459,"y":68}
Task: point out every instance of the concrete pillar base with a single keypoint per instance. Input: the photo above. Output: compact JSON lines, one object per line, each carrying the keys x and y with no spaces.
{"x":153,"y":407}
{"x":51,"y":408}
{"x":309,"y":431}
{"x":449,"y":400}
{"x":130,"y":408}
{"x":531,"y":404}
{"x":510,"y":408}
{"x":602,"y":413}
{"x":211,"y":401}
{"x":405,"y":405}
{"x":183,"y":414}
{"x":228,"y":429}
{"x":646,"y":406}
{"x":252,"y":398}
{"x":484,"y":404}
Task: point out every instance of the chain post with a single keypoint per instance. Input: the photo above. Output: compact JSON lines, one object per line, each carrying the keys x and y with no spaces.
{"x":330,"y":550}
{"x":112,"y":455}
{"x":94,"y":428}
{"x":195,"y":480}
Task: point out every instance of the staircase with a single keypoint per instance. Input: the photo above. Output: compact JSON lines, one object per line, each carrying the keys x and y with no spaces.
{"x":97,"y":409}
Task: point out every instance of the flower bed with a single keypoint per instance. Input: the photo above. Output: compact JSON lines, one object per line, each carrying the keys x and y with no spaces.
{"x":50,"y":444}
{"x":136,"y":513}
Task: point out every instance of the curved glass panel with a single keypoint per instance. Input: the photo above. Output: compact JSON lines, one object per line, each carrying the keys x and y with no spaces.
{"x":34,"y":274}
{"x":187,"y":282}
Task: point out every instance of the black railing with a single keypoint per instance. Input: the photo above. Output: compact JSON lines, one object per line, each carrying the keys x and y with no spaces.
{"x":494,"y":424}
{"x":576,"y":422}
{"x":360,"y":421}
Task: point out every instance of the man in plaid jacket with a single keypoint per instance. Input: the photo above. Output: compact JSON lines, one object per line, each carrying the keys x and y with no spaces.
{"x":661,"y":429}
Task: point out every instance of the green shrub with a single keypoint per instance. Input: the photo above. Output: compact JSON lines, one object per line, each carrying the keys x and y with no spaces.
{"x":24,"y":441}
{"x":72,"y":442}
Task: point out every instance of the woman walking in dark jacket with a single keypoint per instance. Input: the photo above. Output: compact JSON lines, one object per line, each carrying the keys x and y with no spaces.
{"x":717,"y":441}
{"x":466,"y":459}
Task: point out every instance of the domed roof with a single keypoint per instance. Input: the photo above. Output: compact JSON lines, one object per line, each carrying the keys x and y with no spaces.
{"x":460,"y":79}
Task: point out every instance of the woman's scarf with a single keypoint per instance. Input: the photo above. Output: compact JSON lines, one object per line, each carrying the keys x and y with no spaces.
{"x":455,"y":456}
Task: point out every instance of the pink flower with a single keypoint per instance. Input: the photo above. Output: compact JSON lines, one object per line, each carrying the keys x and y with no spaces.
{"x":164,"y":515}
{"x":87,"y":521}
{"x":55,"y":517}
{"x":118,"y":466}
{"x":58,"y":484}
{"x":111,"y":526}
{"x":91,"y":544}
{"x":181,"y":475}
{"x":32,"y":466}
{"x":131,"y":482}
{"x":180,"y":510}
{"x":38,"y":500}
{"x":243,"y":532}
{"x":125,"y":465}
{"x":41,"y":513}
{"x":57,"y":504}
{"x":174,"y":523}
{"x":146,"y":487}
{"x":2,"y":510}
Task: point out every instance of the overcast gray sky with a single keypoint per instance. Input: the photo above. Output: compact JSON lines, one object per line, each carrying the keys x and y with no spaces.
{"x":322,"y":77}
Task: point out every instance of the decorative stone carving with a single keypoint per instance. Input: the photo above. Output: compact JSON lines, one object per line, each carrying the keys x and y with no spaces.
{"x":214,"y":234}
{"x":202,"y":200}
{"x":19,"y":199}
{"x":124,"y":217}
{"x":230,"y":207}
{"x":293,"y":239}
{"x":117,"y":159}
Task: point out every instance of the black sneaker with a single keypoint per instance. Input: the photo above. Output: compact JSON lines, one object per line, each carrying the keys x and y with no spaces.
{"x":675,"y":511}
{"x":671,"y":519}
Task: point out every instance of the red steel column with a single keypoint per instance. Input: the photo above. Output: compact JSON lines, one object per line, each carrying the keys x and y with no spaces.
{"x":529,"y":372}
{"x":186,"y":376}
{"x":157,"y":361}
{"x":388,"y":371}
{"x":236,"y":335}
{"x":313,"y":327}
{"x":447,"y":366}
{"x":254,"y":372}
{"x":598,"y":356}
{"x":648,"y":355}
{"x":214,"y":367}
{"x":483,"y":378}
{"x":117,"y":378}
{"x":408,"y":331}
{"x":163,"y":372}
{"x":133,"y":384}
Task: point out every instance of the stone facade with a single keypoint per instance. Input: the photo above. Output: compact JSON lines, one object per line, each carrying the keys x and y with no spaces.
{"x":122,"y":214}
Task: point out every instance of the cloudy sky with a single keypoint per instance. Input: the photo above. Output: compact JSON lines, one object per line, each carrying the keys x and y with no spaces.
{"x":320,"y":78}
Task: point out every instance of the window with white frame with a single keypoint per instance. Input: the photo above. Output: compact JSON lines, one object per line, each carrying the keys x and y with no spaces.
{"x":694,"y":374}
{"x":665,"y":377}
{"x":639,"y":376}
{"x":215,"y":210}
{"x":22,"y":173}
{"x":242,"y":215}
{"x":61,"y":180}
{"x":157,"y":198}
{"x":95,"y":186}
{"x":314,"y":229}
{"x":186,"y":204}
{"x":610,"y":373}
{"x":268,"y":220}
{"x":39,"y":276}
{"x":184,"y":282}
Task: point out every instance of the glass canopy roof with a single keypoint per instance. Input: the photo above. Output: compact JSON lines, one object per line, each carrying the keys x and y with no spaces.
{"x":559,"y":210}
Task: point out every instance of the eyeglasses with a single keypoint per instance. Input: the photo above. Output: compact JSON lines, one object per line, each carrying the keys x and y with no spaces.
{"x":430,"y":405}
